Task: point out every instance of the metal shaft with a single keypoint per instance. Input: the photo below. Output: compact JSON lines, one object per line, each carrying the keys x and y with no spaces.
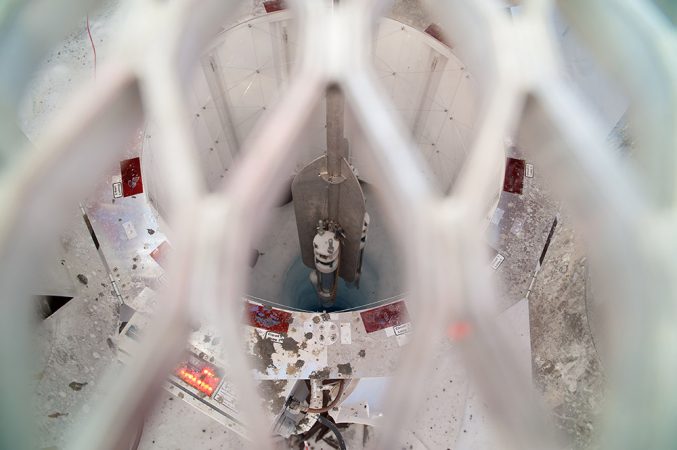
{"x":335,"y":148}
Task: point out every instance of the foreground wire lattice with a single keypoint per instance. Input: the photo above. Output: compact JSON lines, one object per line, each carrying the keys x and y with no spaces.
{"x":523,"y":94}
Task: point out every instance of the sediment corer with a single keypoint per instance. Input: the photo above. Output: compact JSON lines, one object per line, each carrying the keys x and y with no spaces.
{"x":327,"y":251}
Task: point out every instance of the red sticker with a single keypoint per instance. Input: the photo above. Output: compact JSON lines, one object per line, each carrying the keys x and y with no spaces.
{"x":130,"y":169}
{"x":514,"y":176}
{"x":385,"y":316}
{"x":435,"y":31}
{"x":161,"y":254}
{"x":268,"y":318}
{"x":274,"y":5}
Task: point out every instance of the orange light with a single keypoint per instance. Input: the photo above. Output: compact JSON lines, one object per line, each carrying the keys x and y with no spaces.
{"x":204,"y":380}
{"x":459,"y":330}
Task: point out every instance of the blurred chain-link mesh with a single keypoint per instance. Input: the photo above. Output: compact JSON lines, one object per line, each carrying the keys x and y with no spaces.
{"x":627,"y":217}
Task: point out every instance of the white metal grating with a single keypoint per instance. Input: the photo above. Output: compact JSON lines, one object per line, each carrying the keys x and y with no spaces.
{"x":630,"y":228}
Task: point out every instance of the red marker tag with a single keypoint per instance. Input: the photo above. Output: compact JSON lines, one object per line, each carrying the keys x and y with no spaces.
{"x":274,"y":5}
{"x":268,"y":318}
{"x":514,"y":176}
{"x":435,"y":31}
{"x":385,"y":316}
{"x":130,"y":169}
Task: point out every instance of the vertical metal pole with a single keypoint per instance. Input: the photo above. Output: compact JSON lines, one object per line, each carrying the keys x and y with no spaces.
{"x":335,"y":148}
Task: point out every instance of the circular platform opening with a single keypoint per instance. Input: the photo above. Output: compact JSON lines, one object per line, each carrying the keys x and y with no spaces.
{"x":280,"y":278}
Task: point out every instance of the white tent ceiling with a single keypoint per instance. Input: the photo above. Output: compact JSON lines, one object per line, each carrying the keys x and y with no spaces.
{"x":244,"y":73}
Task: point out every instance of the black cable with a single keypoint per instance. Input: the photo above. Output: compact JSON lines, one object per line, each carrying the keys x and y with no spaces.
{"x":334,"y":429}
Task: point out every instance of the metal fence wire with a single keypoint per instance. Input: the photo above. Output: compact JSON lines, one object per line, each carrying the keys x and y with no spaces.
{"x":628,"y":218}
